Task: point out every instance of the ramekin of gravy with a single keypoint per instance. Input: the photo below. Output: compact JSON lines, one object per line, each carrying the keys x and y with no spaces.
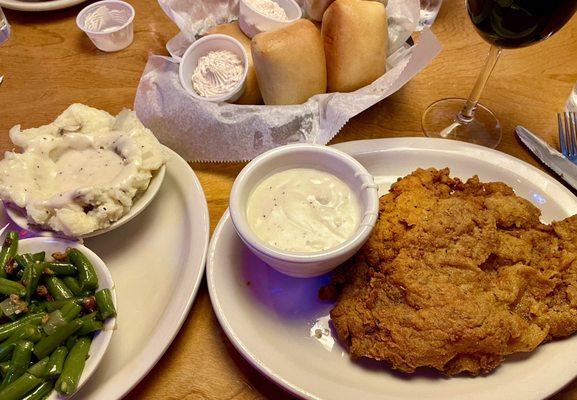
{"x":304,"y":209}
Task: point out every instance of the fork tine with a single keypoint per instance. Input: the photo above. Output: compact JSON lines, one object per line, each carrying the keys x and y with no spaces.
{"x":574,"y":133}
{"x":562,"y":135}
{"x":568,"y":135}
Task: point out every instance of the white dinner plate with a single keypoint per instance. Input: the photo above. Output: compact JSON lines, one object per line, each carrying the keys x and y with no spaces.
{"x":280,"y":326}
{"x":39,"y":5}
{"x":157,"y":263}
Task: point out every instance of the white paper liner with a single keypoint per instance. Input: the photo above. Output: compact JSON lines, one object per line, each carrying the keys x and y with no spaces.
{"x":205,"y":131}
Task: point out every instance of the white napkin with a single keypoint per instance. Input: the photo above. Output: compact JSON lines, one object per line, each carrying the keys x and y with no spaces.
{"x":205,"y":131}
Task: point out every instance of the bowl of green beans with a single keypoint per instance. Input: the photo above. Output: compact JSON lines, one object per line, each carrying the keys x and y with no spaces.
{"x":57,"y":316}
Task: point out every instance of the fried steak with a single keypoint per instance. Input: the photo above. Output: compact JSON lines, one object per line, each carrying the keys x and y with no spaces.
{"x":456,"y":276}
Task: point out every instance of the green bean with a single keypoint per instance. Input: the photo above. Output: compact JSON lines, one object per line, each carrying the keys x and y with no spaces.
{"x":89,"y":317}
{"x":59,"y":268}
{"x":41,"y":392}
{"x":20,"y":360}
{"x":73,"y":367}
{"x":48,"y":344}
{"x":36,"y":276}
{"x":4,"y":367}
{"x":57,"y":288}
{"x":70,"y":311}
{"x":21,"y":386}
{"x":40,"y":368}
{"x":87,"y":323}
{"x":72,"y":284}
{"x":71,"y":341}
{"x":9,"y":328}
{"x":20,"y":260}
{"x":8,"y":251}
{"x":30,"y":278}
{"x":90,"y":326}
{"x":39,"y":257}
{"x":26,"y":332}
{"x":105,"y":303}
{"x":86,"y":274}
{"x":56,"y":362}
{"x":58,"y":304}
{"x":9,"y":287}
{"x":85,"y":293}
{"x":27,"y":280}
{"x":24,"y":259}
{"x":35,"y":307}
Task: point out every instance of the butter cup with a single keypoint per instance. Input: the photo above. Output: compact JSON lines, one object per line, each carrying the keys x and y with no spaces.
{"x":110,"y":38}
{"x":203,"y":46}
{"x":253,"y":22}
{"x":327,"y":159}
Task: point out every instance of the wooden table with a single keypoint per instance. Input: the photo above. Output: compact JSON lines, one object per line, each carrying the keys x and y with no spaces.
{"x":49,"y":64}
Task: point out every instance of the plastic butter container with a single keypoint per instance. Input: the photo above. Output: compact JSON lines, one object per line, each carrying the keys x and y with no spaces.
{"x":108,"y":23}
{"x":252,"y":22}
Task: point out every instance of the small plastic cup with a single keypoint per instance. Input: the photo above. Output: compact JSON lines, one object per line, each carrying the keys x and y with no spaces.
{"x":252,"y":22}
{"x":108,"y":23}
{"x":201,"y":48}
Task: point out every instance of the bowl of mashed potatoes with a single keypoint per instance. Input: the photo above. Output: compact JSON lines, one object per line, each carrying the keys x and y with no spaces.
{"x":84,"y":174}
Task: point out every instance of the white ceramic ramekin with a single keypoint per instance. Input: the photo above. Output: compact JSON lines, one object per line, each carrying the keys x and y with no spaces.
{"x":252,"y":22}
{"x":343,"y":166}
{"x":201,"y":48}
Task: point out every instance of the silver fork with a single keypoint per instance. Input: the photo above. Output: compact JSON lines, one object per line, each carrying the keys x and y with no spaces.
{"x":568,"y":135}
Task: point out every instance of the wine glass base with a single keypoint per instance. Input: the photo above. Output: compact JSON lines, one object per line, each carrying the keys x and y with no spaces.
{"x":440,"y":121}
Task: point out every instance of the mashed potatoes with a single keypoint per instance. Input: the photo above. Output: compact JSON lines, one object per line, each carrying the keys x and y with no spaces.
{"x":81,"y":172}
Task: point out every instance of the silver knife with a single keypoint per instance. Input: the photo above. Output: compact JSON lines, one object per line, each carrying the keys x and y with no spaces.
{"x":549,"y":156}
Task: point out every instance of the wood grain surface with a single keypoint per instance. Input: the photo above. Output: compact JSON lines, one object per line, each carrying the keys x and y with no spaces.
{"x":49,"y":64}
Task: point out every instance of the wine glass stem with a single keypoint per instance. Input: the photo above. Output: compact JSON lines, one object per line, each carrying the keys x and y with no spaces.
{"x":468,"y":112}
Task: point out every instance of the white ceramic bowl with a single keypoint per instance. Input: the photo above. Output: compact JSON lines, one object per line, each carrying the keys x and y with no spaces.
{"x":109,"y":24}
{"x":102,"y":339}
{"x":202,"y":47}
{"x":252,"y":22}
{"x":18,"y":216}
{"x":343,"y":166}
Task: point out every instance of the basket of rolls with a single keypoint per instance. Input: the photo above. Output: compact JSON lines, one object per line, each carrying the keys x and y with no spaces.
{"x":245,"y":76}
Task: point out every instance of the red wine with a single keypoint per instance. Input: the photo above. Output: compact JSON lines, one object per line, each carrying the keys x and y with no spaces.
{"x":519,"y":23}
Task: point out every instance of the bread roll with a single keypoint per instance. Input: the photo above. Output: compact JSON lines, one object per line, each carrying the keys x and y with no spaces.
{"x":251,"y":93}
{"x":316,"y":8}
{"x":355,"y":37}
{"x":290,"y":63}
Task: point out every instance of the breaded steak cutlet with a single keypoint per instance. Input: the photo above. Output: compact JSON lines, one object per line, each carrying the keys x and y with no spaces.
{"x":456,"y":276}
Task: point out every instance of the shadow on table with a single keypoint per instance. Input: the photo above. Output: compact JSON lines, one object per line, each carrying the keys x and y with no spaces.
{"x":43,"y":17}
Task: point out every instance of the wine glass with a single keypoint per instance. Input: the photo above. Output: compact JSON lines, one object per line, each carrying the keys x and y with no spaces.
{"x":4,"y":34}
{"x":4,"y":27}
{"x":429,"y":11}
{"x":504,"y":24}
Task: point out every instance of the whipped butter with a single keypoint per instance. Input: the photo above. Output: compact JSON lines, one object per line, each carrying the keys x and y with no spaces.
{"x":103,"y":19}
{"x":303,"y":210}
{"x":81,"y":172}
{"x":269,"y":8}
{"x":217,"y":73}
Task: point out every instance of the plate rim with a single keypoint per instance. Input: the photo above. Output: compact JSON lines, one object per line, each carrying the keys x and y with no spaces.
{"x":355,"y":149}
{"x":140,"y":365}
{"x":39,"y":6}
{"x":241,"y":348}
